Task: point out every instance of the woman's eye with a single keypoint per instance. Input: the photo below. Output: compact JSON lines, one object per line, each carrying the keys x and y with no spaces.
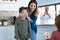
{"x":31,"y":6}
{"x":34,"y":6}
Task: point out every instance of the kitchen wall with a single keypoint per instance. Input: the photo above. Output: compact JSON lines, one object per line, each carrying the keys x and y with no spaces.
{"x":13,"y":6}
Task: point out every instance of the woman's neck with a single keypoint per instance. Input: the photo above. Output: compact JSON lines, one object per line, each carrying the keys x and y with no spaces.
{"x":30,"y":13}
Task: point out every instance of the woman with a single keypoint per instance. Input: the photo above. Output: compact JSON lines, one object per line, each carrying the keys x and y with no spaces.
{"x":33,"y":13}
{"x":46,"y":17}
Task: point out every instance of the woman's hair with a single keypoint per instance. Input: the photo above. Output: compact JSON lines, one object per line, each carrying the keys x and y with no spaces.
{"x":22,"y":8}
{"x":57,"y":22}
{"x":32,"y":1}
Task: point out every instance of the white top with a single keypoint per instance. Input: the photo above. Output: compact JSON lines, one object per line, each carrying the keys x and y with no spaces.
{"x":46,"y":19}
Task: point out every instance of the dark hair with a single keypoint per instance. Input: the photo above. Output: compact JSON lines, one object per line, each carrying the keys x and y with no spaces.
{"x":14,"y":19}
{"x":32,"y":1}
{"x":22,"y":8}
{"x":57,"y":22}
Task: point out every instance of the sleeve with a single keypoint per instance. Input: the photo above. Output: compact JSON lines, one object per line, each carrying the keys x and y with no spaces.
{"x":41,"y":16}
{"x":16,"y":29}
{"x":51,"y":16}
{"x":29,"y":29}
{"x":52,"y":36}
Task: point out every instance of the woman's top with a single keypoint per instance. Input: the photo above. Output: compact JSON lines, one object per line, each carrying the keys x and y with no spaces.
{"x":33,"y":22}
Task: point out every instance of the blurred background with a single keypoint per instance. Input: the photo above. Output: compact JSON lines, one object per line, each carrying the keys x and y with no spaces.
{"x":9,"y":12}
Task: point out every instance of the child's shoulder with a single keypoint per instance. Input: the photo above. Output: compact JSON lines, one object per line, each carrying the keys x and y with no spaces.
{"x":17,"y":19}
{"x":56,"y":31}
{"x":27,"y":20}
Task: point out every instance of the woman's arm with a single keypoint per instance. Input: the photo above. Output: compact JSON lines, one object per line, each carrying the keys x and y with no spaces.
{"x":30,"y":19}
{"x":37,"y":13}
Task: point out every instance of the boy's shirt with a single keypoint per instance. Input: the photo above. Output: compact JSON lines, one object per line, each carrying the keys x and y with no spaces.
{"x":22,"y":28}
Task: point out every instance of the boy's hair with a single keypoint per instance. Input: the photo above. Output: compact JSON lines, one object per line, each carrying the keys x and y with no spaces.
{"x":22,"y":8}
{"x":57,"y":22}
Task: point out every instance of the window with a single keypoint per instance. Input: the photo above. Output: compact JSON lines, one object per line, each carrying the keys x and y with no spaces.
{"x":58,"y":9}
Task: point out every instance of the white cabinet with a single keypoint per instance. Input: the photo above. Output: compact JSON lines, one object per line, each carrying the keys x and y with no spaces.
{"x":7,"y":32}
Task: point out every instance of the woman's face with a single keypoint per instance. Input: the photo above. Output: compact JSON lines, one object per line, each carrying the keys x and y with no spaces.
{"x":32,"y":7}
{"x":46,"y":8}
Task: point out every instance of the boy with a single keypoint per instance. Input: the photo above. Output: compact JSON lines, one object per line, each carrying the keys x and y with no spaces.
{"x":22,"y":25}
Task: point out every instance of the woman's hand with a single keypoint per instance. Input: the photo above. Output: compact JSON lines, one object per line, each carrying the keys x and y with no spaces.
{"x":28,"y":18}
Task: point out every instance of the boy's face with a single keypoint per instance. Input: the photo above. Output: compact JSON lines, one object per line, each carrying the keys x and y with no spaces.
{"x":24,"y":13}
